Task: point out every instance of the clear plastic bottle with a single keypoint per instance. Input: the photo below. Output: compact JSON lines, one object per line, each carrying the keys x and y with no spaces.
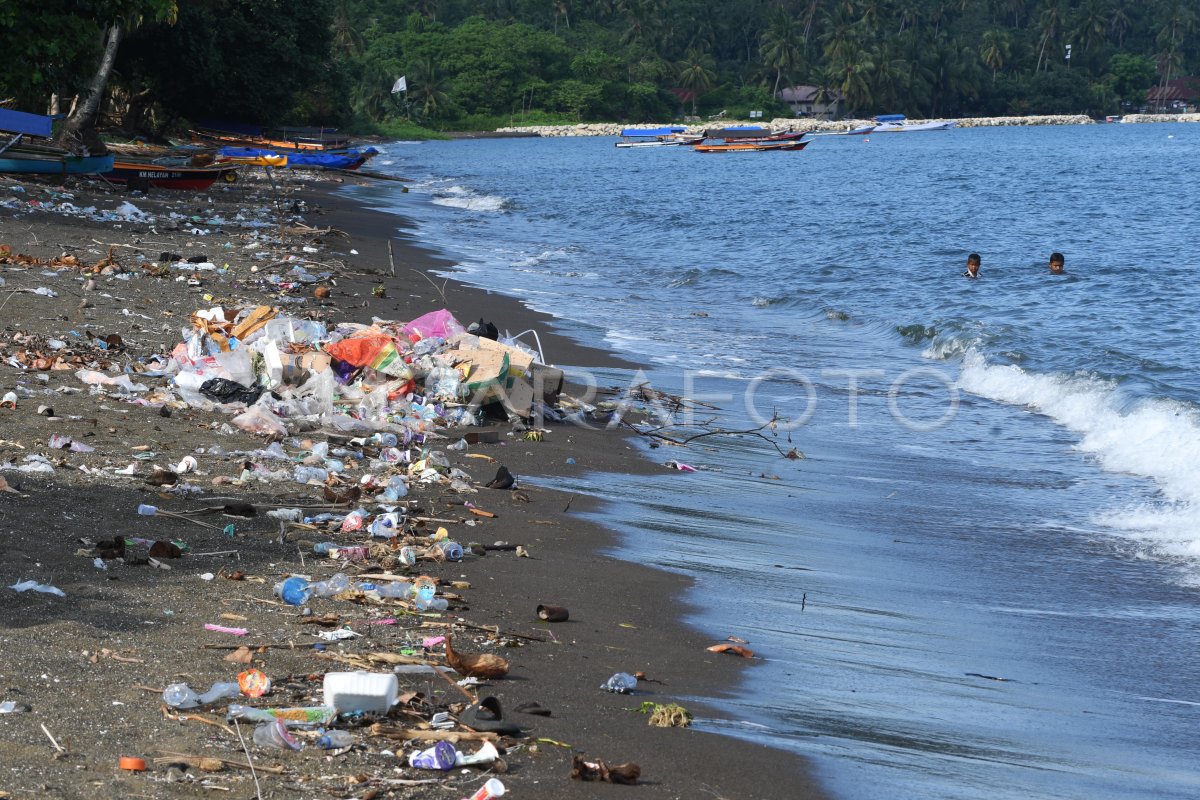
{"x":397,"y":591}
{"x":307,"y":474}
{"x":180,"y":695}
{"x":335,"y":740}
{"x":621,"y":683}
{"x":334,"y":586}
{"x":396,"y":489}
{"x":453,"y":551}
{"x":324,"y":548}
{"x":423,"y":596}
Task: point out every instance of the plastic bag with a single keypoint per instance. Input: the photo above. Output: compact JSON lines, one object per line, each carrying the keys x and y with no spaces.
{"x":260,"y":419}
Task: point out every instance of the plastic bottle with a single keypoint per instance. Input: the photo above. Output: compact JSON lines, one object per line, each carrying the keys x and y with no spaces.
{"x":621,"y":683}
{"x":335,"y":466}
{"x":396,"y":489}
{"x":307,"y":474}
{"x":294,"y":591}
{"x":423,"y":596}
{"x":323,"y":548}
{"x":335,"y":740}
{"x":386,"y":526}
{"x":180,"y":695}
{"x":275,"y":734}
{"x":451,"y":550}
{"x":307,"y":716}
{"x":334,"y":586}
{"x":397,"y":591}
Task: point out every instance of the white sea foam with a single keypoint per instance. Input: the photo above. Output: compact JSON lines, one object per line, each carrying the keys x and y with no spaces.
{"x":460,"y":197}
{"x":1154,"y":438}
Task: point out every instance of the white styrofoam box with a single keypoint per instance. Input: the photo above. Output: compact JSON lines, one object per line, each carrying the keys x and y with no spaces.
{"x":360,"y":691}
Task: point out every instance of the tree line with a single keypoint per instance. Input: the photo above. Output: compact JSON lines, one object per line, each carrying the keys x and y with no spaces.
{"x":483,"y":63}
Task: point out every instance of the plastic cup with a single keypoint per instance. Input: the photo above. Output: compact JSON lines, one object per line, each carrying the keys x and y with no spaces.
{"x":493,"y":788}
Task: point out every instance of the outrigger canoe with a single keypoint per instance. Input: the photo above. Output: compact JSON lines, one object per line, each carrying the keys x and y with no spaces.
{"x":47,"y":163}
{"x":751,"y":147}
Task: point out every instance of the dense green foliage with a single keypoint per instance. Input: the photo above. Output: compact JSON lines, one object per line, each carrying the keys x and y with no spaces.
{"x":470,"y":63}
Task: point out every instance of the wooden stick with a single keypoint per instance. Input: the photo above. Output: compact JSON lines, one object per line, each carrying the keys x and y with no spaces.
{"x":391,"y":259}
{"x":50,"y":736}
{"x":409,"y":734}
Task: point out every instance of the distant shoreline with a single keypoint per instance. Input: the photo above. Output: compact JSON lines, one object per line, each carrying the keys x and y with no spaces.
{"x":805,"y":124}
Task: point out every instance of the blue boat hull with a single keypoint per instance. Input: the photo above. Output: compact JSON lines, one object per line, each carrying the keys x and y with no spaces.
{"x":65,"y":165}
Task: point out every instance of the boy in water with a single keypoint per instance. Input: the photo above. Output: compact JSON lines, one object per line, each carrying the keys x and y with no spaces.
{"x":972,"y":266}
{"x":1057,"y":264}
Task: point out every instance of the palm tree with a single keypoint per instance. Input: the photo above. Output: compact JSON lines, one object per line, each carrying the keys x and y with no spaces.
{"x":1119,"y":23}
{"x":346,"y":36}
{"x":696,"y":74}
{"x":889,"y":84}
{"x":562,"y":8}
{"x":1177,"y":21}
{"x":780,"y":46}
{"x":1092,"y":23}
{"x":428,"y":88}
{"x":1049,"y":23}
{"x":851,"y":75}
{"x":995,"y":51}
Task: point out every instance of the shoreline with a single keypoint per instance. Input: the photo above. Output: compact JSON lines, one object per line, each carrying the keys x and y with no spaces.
{"x":351,"y":214}
{"x":130,"y":625}
{"x":794,"y":124}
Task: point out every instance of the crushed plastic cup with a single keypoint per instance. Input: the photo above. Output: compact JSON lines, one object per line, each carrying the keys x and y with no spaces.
{"x":275,"y":735}
{"x":440,"y":757}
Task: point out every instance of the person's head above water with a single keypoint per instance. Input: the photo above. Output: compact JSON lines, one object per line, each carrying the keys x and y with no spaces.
{"x":1057,"y":263}
{"x":973,"y":262}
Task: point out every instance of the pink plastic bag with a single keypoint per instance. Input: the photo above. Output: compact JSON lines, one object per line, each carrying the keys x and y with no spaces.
{"x":435,"y":324}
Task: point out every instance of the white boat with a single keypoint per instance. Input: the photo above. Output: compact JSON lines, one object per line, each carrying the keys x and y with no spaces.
{"x":658,"y":137}
{"x":895,"y":123}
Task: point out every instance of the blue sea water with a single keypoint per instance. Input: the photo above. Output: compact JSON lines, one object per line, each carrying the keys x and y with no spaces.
{"x":1002,"y":476}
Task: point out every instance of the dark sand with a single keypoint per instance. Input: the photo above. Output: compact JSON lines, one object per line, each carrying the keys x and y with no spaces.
{"x":81,"y":662}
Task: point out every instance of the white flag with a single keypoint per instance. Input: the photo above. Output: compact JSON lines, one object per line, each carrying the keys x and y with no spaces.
{"x":400,"y":85}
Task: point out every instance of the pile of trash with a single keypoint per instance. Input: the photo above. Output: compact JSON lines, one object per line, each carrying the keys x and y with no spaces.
{"x":283,"y":374}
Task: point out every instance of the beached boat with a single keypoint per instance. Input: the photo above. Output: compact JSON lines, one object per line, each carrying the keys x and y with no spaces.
{"x":146,"y":174}
{"x":895,"y":123}
{"x":46,"y":160}
{"x":751,"y":146}
{"x":280,"y":139}
{"x":658,"y":137}
{"x":341,"y":159}
{"x":19,"y":156}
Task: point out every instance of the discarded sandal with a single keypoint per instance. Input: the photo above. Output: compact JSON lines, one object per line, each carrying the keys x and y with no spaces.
{"x":488,"y":716}
{"x":535,"y":708}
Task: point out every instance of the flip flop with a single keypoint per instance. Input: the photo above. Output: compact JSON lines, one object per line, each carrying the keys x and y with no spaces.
{"x":487,"y":715}
{"x":534,"y":708}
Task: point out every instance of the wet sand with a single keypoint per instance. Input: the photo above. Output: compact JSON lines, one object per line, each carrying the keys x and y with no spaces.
{"x":83,"y":663}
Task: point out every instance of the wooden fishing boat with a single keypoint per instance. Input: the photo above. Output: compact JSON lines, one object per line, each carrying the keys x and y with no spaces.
{"x":146,"y":174}
{"x":17,"y":155}
{"x":751,"y":147}
{"x":284,"y":139}
{"x":46,"y":162}
{"x":753,"y":135}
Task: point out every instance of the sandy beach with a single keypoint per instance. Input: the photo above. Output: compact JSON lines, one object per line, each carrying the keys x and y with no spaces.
{"x":91,"y":665}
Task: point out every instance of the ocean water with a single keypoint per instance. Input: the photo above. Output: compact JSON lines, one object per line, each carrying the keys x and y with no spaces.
{"x":983,"y":581}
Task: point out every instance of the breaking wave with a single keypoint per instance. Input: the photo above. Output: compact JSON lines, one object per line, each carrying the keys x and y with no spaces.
{"x":460,"y":197}
{"x":1155,"y":438}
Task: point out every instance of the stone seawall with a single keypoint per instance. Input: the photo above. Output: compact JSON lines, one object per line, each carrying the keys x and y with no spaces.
{"x":815,"y":125}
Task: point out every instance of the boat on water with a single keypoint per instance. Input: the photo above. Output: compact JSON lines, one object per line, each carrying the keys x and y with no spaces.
{"x":20,"y":156}
{"x":752,"y":134}
{"x":658,"y":137}
{"x":896,"y":123}
{"x":146,"y":174}
{"x":751,"y":146}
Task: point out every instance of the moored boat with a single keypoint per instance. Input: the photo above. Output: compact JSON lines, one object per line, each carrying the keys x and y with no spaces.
{"x":751,"y":146}
{"x":16,"y":160}
{"x":341,"y":159}
{"x":896,"y":123}
{"x":658,"y":137}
